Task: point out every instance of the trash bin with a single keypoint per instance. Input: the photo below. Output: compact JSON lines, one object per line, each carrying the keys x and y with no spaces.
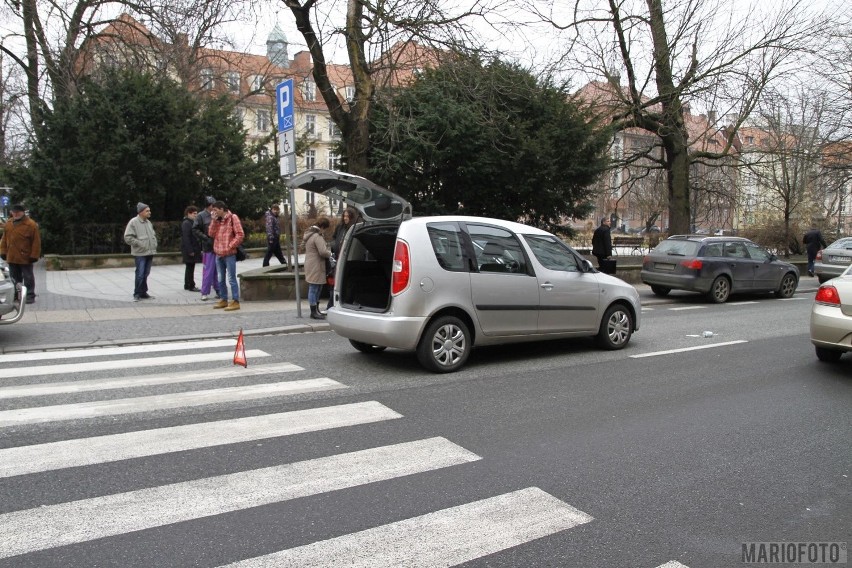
{"x":607,"y":266}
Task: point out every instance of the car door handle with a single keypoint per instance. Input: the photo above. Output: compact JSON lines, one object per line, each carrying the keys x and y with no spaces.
{"x":547,"y":286}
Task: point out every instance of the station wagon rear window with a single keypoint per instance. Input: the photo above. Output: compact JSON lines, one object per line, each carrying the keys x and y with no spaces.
{"x":675,"y":247}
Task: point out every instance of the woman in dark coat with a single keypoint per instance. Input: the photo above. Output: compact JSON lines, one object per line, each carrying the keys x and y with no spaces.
{"x":190,"y":248}
{"x":347,"y":219}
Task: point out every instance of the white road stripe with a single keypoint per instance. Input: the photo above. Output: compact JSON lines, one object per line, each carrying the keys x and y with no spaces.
{"x":143,"y":381}
{"x":89,"y":519}
{"x":102,"y":449}
{"x":794,"y":298}
{"x":684,"y":349}
{"x":673,"y":564}
{"x":161,"y":402}
{"x":745,"y":303}
{"x":682,"y":308}
{"x":443,"y":538}
{"x":40,"y":370}
{"x":110,"y":351}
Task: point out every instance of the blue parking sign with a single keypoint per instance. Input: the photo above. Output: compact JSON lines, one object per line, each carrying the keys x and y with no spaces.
{"x":284,"y":105}
{"x":4,"y":200}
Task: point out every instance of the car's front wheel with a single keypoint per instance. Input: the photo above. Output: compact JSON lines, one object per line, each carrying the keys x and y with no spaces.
{"x":828,"y":355}
{"x":616,"y":328}
{"x":366,"y":347}
{"x":445,"y":345}
{"x":660,"y":290}
{"x":720,"y":290}
{"x":787,"y":287}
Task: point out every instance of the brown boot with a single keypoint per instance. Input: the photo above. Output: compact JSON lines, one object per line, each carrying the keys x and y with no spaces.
{"x":220,"y":304}
{"x":234,"y":305}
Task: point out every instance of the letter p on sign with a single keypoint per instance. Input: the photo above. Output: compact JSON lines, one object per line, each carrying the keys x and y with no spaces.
{"x":284,"y":104}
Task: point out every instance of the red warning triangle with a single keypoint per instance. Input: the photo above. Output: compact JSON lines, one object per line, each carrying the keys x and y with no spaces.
{"x":240,"y":351}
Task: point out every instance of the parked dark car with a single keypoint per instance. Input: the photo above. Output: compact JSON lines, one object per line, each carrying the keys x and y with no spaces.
{"x":717,"y":267}
{"x":833,"y":259}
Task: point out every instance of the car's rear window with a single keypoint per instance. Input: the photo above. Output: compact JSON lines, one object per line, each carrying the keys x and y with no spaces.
{"x":676,"y":247}
{"x":844,"y":243}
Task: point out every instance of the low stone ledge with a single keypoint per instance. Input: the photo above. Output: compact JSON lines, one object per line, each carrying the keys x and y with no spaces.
{"x":81,"y":261}
{"x":270,"y":283}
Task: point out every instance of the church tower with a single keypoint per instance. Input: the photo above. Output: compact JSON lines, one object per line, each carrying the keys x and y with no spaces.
{"x":276,"y":47}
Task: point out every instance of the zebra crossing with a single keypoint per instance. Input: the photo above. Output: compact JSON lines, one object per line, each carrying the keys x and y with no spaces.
{"x":448,"y":536}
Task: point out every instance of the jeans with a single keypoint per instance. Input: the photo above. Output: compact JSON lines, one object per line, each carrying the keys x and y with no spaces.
{"x":208,"y":273}
{"x":314,"y":293}
{"x":811,"y":259}
{"x":23,"y":273}
{"x":228,"y":265}
{"x":143,"y":269}
{"x":274,"y":249}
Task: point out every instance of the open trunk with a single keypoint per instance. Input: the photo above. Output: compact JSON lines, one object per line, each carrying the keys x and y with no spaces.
{"x":365,"y":281}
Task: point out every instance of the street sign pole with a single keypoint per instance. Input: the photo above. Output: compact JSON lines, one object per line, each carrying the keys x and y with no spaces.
{"x":287,"y":165}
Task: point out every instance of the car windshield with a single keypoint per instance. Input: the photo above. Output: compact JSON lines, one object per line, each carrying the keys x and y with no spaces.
{"x":844,"y":243}
{"x":677,"y":247}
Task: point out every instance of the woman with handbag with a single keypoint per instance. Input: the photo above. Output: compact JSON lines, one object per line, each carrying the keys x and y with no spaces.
{"x":316,"y":252}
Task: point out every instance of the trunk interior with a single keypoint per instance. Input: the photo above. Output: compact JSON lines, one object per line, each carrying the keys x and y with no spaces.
{"x":367,"y":268}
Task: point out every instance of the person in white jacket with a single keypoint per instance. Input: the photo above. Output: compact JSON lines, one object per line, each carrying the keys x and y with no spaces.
{"x":142,"y":238}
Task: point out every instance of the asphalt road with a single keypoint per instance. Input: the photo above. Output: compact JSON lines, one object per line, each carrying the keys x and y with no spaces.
{"x":545,"y":454}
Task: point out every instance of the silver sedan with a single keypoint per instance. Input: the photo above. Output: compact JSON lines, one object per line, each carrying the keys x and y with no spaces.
{"x":833,"y":260}
{"x":831,"y":318}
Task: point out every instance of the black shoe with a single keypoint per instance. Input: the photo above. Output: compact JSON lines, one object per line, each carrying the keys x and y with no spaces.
{"x":810,"y":273}
{"x":193,"y":289}
{"x":316,"y":314}
{"x":30,"y":300}
{"x":146,"y":297}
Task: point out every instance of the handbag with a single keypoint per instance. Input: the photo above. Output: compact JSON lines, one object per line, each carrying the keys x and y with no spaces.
{"x":241,"y":253}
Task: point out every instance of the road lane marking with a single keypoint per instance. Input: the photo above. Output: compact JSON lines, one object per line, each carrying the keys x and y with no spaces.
{"x":684,"y":349}
{"x":110,"y":351}
{"x":40,"y":370}
{"x":682,"y":308}
{"x":793,"y":298}
{"x":102,"y":449}
{"x":66,"y":387}
{"x":745,"y":303}
{"x":444,"y":538}
{"x":161,"y":402}
{"x":673,"y":564}
{"x":89,"y":519}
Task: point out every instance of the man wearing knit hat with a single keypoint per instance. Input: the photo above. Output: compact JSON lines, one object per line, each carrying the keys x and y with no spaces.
{"x":142,"y":239}
{"x":21,"y":247}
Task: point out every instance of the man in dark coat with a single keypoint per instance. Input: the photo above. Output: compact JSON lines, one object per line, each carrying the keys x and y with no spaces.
{"x":602,"y":241}
{"x":190,"y":248}
{"x":273,"y":235}
{"x":814,"y":243}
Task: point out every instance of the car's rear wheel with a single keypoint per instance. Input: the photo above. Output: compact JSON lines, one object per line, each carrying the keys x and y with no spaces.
{"x":660,"y":290}
{"x":828,"y":355}
{"x":366,"y":347}
{"x":445,"y":345}
{"x":616,"y":328}
{"x":720,"y":290}
{"x":787,"y":287}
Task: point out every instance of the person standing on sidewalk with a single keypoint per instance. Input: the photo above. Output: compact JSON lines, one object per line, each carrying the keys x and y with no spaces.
{"x":602,"y":241}
{"x":347,"y":219}
{"x":226,"y":230}
{"x":21,"y":247}
{"x":814,"y":243}
{"x":190,"y":248}
{"x":208,"y":259}
{"x":273,"y":235}
{"x":142,"y":238}
{"x":316,"y":252}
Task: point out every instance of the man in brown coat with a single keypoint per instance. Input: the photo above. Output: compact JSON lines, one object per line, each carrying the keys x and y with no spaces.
{"x":21,"y":248}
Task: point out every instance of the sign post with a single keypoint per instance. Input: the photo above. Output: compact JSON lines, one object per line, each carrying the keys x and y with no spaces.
{"x":287,"y":163}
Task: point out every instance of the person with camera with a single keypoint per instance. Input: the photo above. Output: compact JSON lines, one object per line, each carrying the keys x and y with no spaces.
{"x":226,"y":230}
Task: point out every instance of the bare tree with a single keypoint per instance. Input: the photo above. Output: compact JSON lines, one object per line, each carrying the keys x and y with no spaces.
{"x":686,"y":52}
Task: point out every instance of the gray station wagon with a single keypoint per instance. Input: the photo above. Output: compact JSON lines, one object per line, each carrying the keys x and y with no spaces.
{"x":717,"y":267}
{"x":441,"y":285}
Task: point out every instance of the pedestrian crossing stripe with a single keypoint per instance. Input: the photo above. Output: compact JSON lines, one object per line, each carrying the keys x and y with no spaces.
{"x":89,"y":519}
{"x":102,"y":449}
{"x":443,"y":538}
{"x":70,"y":387}
{"x":100,"y":408}
{"x":673,"y":564}
{"x":39,"y":370}
{"x":31,"y":356}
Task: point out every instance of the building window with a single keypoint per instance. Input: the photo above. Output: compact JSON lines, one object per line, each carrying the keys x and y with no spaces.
{"x":309,"y":90}
{"x":262,"y":120}
{"x":350,"y":93}
{"x":207,"y":79}
{"x":311,"y":124}
{"x":232,"y":79}
{"x":239,"y":115}
{"x":310,"y":159}
{"x":262,"y":154}
{"x":333,"y":161}
{"x":257,"y":83}
{"x":333,"y":130}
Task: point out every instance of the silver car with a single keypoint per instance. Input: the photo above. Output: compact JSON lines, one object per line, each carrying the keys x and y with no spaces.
{"x":11,"y":306}
{"x":441,"y":285}
{"x":831,"y":318}
{"x":833,"y":260}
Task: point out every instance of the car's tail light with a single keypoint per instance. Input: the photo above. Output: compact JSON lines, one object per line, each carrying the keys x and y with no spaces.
{"x":827,"y":295}
{"x":819,"y":255}
{"x":401,"y":267}
{"x":694,"y":264}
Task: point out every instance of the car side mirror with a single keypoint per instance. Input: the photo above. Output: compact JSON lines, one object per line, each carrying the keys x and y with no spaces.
{"x":587,"y":265}
{"x":772,"y":258}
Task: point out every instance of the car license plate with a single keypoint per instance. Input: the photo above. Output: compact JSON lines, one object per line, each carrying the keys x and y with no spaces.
{"x":841,"y":259}
{"x":664,"y":266}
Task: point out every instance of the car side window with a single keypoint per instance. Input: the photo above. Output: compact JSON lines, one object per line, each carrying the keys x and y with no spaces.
{"x":497,"y":250}
{"x":757,"y":253}
{"x":447,"y":245}
{"x":735,"y":250}
{"x":713,"y":250}
{"x":551,"y":254}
